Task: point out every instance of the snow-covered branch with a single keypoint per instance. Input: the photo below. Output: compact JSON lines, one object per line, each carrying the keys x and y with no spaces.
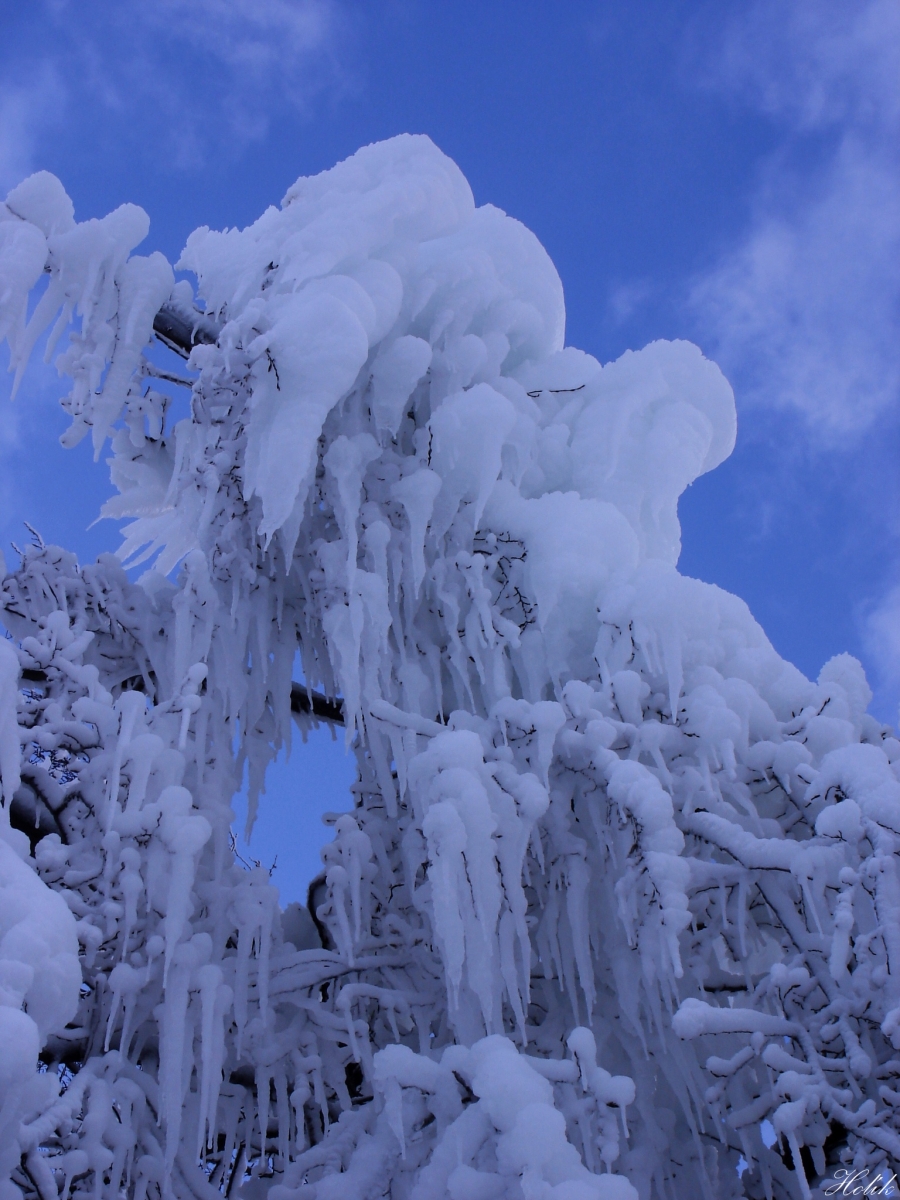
{"x":619,"y":883}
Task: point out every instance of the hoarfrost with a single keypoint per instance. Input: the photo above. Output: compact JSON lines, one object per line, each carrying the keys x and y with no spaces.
{"x":610,"y":856}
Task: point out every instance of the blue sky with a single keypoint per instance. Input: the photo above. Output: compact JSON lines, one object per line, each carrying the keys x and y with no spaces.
{"x":726,"y":171}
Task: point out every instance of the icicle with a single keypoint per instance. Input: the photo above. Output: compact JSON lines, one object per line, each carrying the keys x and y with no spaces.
{"x":141,"y":753}
{"x":184,"y":836}
{"x":124,"y":980}
{"x":347,"y":459}
{"x":417,"y":493}
{"x":447,"y":841}
{"x":172,"y":1050}
{"x":209,"y":978}
{"x":190,"y":701}
{"x":507,"y":936}
{"x":131,"y":707}
{"x":9,"y":727}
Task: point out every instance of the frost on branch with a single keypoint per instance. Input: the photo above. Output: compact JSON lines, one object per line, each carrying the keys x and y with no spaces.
{"x":619,"y":885}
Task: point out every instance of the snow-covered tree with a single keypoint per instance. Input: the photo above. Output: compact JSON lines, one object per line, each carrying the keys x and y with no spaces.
{"x":620,"y":885}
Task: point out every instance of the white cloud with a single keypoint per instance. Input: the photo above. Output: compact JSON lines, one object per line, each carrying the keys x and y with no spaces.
{"x":255,"y":36}
{"x":818,"y":63}
{"x":240,"y":54}
{"x":15,"y":142}
{"x":626,"y":299}
{"x":24,"y":107}
{"x":184,"y":80}
{"x":804,"y":311}
{"x":881,"y":635}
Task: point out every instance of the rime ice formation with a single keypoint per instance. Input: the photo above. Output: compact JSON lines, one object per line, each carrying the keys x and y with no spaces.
{"x":620,"y":884}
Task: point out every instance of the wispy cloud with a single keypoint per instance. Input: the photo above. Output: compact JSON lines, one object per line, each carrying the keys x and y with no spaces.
{"x":881,"y":636}
{"x":803,"y":309}
{"x":804,"y":312}
{"x":819,"y":63}
{"x":627,"y":298}
{"x":229,"y":64}
{"x":190,"y":78}
{"x":24,"y":107}
{"x":15,"y":142}
{"x":255,"y":36}
{"x":27,"y":101}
